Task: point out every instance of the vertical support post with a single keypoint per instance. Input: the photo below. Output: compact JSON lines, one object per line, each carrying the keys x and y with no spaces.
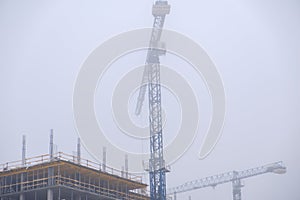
{"x":49,"y":194}
{"x":1,"y":187}
{"x":99,"y":185}
{"x":22,"y":195}
{"x":50,"y":169}
{"x":237,"y":194}
{"x":23,"y":151}
{"x":108,"y":188}
{"x":236,"y":187}
{"x":51,"y":145}
{"x":78,"y":151}
{"x":104,"y":159}
{"x":126,"y":166}
{"x":175,"y":196}
{"x":79,"y":179}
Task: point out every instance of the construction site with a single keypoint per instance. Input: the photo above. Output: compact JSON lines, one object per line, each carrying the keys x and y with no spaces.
{"x":61,"y":176}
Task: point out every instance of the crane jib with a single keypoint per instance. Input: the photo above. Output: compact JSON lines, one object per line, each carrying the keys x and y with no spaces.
{"x":234,"y":176}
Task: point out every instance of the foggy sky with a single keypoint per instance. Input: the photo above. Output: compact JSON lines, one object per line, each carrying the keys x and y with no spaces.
{"x":255,"y":45}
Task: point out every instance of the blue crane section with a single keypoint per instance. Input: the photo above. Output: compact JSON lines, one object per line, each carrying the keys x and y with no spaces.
{"x":151,"y":78}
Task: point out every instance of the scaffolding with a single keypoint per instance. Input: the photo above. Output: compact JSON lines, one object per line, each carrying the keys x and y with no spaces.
{"x":64,"y":176}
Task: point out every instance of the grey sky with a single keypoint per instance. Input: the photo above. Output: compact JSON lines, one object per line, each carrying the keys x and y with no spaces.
{"x":254,"y":43}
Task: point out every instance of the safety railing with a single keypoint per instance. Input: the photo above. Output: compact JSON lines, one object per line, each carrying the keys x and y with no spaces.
{"x":59,"y":180}
{"x":70,"y":158}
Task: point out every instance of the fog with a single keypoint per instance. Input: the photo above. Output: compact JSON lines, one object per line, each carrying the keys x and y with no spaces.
{"x":254,"y":44}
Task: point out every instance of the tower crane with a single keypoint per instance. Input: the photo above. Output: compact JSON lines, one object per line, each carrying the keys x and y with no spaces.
{"x":151,"y":78}
{"x":234,"y":176}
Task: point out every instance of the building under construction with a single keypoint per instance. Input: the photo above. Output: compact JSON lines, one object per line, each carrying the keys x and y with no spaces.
{"x":66,"y":177}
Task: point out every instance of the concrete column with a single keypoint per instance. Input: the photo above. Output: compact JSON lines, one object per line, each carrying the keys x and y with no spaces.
{"x":78,"y":151}
{"x":49,"y":194}
{"x":51,"y":146}
{"x":126,"y":166}
{"x":78,"y":197}
{"x":50,"y":169}
{"x":22,"y":196}
{"x":104,"y":159}
{"x":50,"y":183}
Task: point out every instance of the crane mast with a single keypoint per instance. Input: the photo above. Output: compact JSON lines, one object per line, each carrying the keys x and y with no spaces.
{"x":159,"y":10}
{"x":151,"y":78}
{"x":234,"y":176}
